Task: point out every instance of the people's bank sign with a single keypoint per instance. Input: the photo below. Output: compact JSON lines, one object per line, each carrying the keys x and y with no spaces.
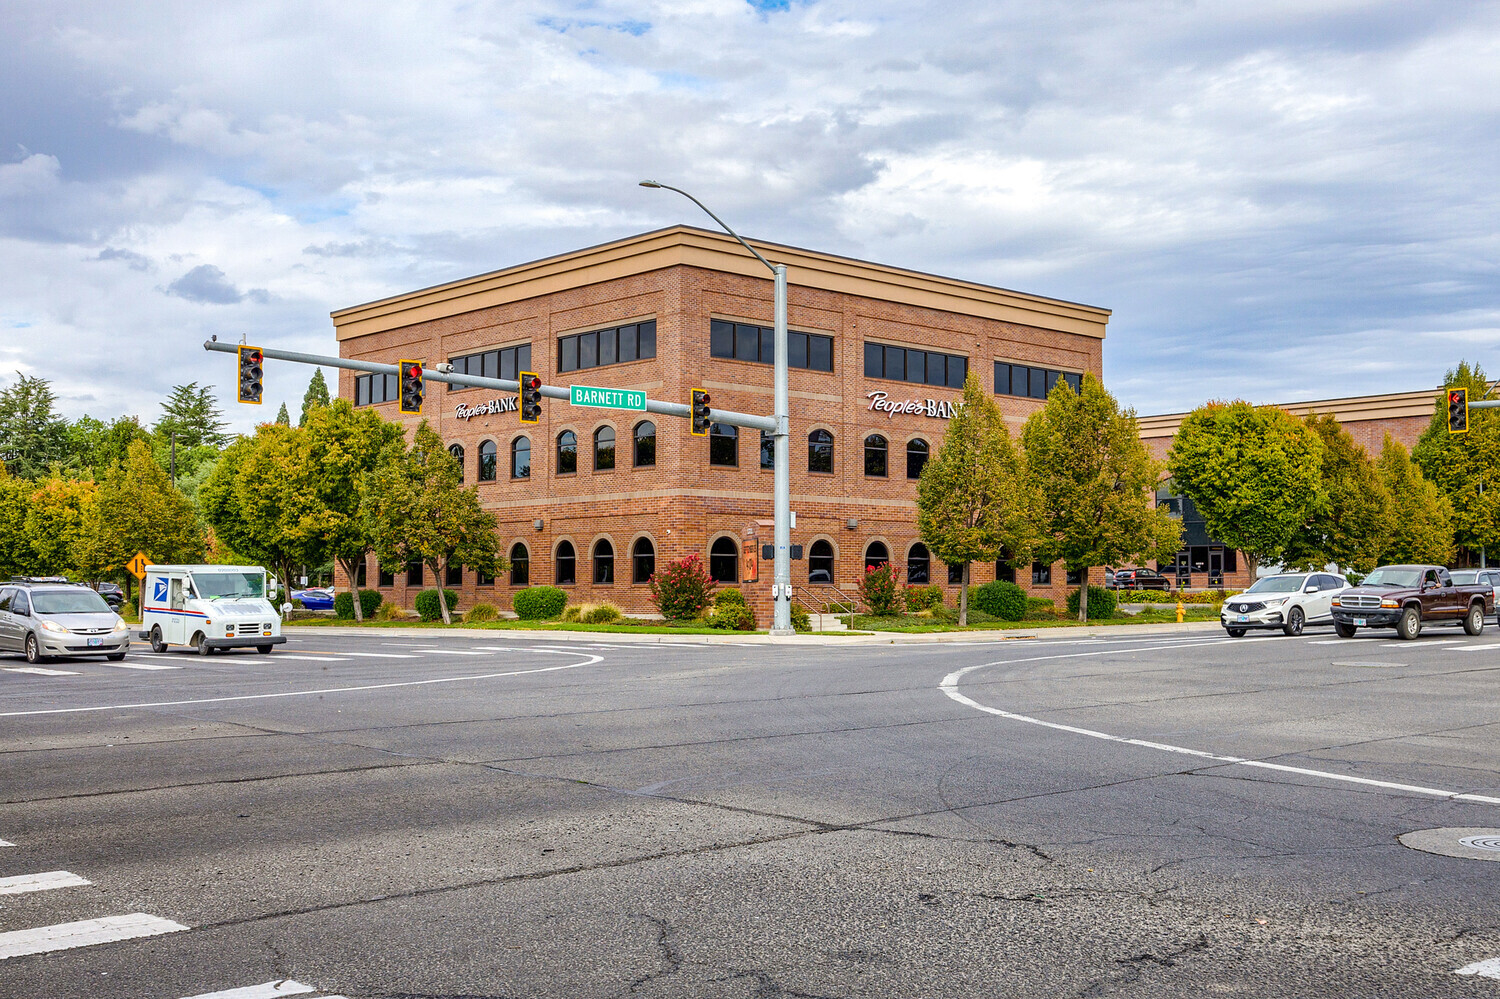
{"x":880,"y":402}
{"x":504,"y":404}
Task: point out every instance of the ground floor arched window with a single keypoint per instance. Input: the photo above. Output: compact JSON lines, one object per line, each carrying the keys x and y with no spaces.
{"x":724,"y":561}
{"x":918,"y":564}
{"x":642,"y":561}
{"x":876,"y":554}
{"x":566,"y":564}
{"x":820,"y":562}
{"x":604,"y":562}
{"x":520,"y":565}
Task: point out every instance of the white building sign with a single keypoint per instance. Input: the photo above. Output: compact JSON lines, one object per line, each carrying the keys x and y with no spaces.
{"x":504,"y":404}
{"x":936,"y":408}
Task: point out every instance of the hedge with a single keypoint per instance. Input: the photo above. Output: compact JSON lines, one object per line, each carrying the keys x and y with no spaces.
{"x":1001,"y":599}
{"x":539,"y":603}
{"x":1101,"y":603}
{"x":343,"y":604}
{"x":427,"y":604}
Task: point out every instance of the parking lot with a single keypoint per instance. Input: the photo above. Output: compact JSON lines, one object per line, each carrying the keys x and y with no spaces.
{"x":407,"y":815}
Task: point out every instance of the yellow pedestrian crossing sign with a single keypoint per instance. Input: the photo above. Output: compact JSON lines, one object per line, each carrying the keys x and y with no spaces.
{"x":137,"y":565}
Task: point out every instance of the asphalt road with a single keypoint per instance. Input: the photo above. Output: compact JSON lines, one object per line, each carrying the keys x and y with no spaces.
{"x":459,"y":818}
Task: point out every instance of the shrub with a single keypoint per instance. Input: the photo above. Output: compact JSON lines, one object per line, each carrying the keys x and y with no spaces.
{"x":801,"y":623}
{"x":539,"y":603}
{"x":1000,"y":599}
{"x":480,"y":613}
{"x":838,"y":607}
{"x":732,"y":616}
{"x":571,"y":614}
{"x":343,"y":604}
{"x":427,"y":604}
{"x":682,"y":588}
{"x":879,"y":591}
{"x":1164,"y":597}
{"x":731,"y":596}
{"x":1101,"y":602}
{"x":388,"y":611}
{"x":1040,"y":605}
{"x":603,"y":614}
{"x":920,"y":598}
{"x":949,"y":615}
{"x":297,"y":604}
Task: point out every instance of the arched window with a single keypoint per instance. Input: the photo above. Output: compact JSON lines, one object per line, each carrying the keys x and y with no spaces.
{"x":767,"y":450}
{"x":520,"y":458}
{"x":918,"y":561}
{"x":642,"y":560}
{"x":820,"y":562}
{"x":875,"y":454}
{"x":566,"y":564}
{"x":604,"y":449}
{"x":724,"y":561}
{"x":723,"y":445}
{"x":520,"y":565}
{"x":604,"y":562}
{"x":820,"y":451}
{"x":487,"y":461}
{"x":916,"y":458}
{"x":567,"y":452}
{"x":645,"y":444}
{"x":877,"y":554}
{"x":457,"y":450}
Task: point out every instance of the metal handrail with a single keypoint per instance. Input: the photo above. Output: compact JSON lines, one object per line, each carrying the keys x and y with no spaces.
{"x":852,"y":602}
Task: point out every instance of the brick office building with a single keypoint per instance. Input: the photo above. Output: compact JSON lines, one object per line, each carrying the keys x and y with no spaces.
{"x":592,"y":499}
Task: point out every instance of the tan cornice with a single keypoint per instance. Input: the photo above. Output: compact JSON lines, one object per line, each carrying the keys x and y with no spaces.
{"x":692,"y":247}
{"x":1352,"y":409}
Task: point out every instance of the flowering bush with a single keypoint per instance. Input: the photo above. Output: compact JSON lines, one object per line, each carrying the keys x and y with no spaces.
{"x":920,"y":598}
{"x":682,"y":589}
{"x":879,"y":590}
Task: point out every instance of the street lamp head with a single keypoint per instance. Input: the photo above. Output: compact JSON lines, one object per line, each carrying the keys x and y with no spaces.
{"x":649,"y":183}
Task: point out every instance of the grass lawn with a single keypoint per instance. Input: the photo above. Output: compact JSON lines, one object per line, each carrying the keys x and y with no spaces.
{"x":916,"y":625}
{"x":643,"y":628}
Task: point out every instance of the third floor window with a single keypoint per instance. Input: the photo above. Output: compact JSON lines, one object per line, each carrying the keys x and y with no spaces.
{"x":744,"y":342}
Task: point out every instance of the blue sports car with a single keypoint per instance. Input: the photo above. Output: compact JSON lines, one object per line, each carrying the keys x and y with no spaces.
{"x":315,"y":598}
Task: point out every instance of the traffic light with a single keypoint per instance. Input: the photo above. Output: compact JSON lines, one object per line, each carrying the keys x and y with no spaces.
{"x":701,"y":413}
{"x":411,"y":386}
{"x":531,"y":397}
{"x":251,"y":386}
{"x":1458,"y":411}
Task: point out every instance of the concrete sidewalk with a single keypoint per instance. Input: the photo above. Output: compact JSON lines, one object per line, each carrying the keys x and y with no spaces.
{"x":744,"y":638}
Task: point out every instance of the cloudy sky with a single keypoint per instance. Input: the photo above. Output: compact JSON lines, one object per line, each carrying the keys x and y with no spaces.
{"x":1284,"y":200}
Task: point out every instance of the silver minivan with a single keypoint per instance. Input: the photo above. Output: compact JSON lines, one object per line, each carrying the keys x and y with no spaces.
{"x":44,"y":620}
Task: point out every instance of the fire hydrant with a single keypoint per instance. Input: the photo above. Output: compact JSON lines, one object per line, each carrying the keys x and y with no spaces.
{"x":1180,"y":612}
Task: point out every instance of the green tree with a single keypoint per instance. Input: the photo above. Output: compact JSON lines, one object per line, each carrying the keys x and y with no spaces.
{"x":415,"y":508}
{"x":192,"y":414}
{"x":283,"y":417}
{"x":1421,"y":517}
{"x":15,"y":546}
{"x":316,"y":395}
{"x":1463,"y":466}
{"x":33,"y":438}
{"x":1350,"y":523}
{"x":1096,"y":484}
{"x":974,"y":499}
{"x":56,"y":516}
{"x":1254,"y":472}
{"x":344,"y":445}
{"x":97,"y":446}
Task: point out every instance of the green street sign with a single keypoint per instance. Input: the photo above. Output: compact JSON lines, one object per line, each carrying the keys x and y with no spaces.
{"x":603,"y":398}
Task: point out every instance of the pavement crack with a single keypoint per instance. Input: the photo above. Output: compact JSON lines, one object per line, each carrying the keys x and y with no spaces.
{"x":670,"y":957}
{"x":767,"y":987}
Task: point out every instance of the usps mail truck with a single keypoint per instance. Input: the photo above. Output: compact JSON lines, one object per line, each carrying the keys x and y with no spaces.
{"x":209,"y":607}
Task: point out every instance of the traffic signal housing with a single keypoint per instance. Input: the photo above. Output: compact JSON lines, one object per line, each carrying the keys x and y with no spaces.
{"x":412,"y":386}
{"x":1458,"y":411}
{"x":251,"y":387}
{"x":702,"y":415}
{"x":531,"y":397}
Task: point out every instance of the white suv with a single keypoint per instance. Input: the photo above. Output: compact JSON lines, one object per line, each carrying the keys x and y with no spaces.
{"x":1289,"y":601}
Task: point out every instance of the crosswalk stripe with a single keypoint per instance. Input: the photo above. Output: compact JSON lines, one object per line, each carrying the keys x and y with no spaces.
{"x":266,"y":990}
{"x":84,"y":933}
{"x":451,"y":652}
{"x":375,"y":655}
{"x":1418,"y":645}
{"x":310,"y":659}
{"x":1479,"y":648}
{"x":1485,"y":969}
{"x":130,"y":665}
{"x":20,"y":884}
{"x":40,"y":671}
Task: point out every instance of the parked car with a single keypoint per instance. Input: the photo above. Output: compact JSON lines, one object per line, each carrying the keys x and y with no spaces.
{"x":1469,"y":577}
{"x":1406,"y":597}
{"x":1288,"y":600}
{"x":46,"y":619}
{"x":1141,"y":579}
{"x":112,"y":594}
{"x":315,"y":598}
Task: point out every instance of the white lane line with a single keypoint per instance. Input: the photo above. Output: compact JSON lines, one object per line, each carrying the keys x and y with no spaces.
{"x":1333,"y":641}
{"x":373,"y":655}
{"x":266,"y":990}
{"x":6,"y":842}
{"x":590,"y":660}
{"x":40,"y":671}
{"x":84,"y":933}
{"x":292,"y":655}
{"x":46,"y":881}
{"x":450,"y":652}
{"x":1421,"y":645}
{"x":127,"y":664}
{"x":949,"y":686}
{"x":1479,"y":648}
{"x":1484,"y":969}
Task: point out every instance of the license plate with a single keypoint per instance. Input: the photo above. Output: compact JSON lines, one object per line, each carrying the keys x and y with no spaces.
{"x":1359,"y":622}
{"x":95,"y":642}
{"x":1243,"y":619}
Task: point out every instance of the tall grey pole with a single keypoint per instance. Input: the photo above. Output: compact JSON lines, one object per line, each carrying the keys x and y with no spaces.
{"x":781,"y":506}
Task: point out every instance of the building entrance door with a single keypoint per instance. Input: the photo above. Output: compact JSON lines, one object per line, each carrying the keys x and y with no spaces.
{"x":1216,"y":567}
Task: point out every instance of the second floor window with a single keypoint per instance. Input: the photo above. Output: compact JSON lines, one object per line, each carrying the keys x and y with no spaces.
{"x":820,"y":451}
{"x":567,"y":452}
{"x":875,"y":456}
{"x":767,"y":449}
{"x":520,"y":458}
{"x":500,"y":363}
{"x":370,"y":390}
{"x":635,"y":342}
{"x":723,"y":445}
{"x":487,"y":456}
{"x":457,"y":450}
{"x":744,"y":342}
{"x":604,"y":449}
{"x":645,"y":444}
{"x":908,"y":364}
{"x":916,"y":457}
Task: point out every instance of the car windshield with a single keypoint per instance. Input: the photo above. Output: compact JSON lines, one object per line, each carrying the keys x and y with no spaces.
{"x":213,"y":585}
{"x":1277,"y":584}
{"x":78,"y":601}
{"x":1393,"y":577}
{"x":1465,"y":578}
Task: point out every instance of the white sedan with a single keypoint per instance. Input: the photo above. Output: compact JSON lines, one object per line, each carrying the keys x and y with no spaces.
{"x":1288,"y":601}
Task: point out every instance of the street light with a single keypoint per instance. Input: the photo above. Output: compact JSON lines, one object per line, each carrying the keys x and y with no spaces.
{"x":781,"y":574}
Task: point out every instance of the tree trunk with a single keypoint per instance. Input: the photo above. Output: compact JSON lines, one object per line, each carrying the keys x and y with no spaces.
{"x":442,"y":597}
{"x":963,"y":599}
{"x":1253,"y":563}
{"x":1083,"y":596}
{"x":351,"y":569}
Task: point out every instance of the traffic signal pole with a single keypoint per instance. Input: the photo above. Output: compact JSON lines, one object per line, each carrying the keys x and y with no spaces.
{"x":749,"y":421}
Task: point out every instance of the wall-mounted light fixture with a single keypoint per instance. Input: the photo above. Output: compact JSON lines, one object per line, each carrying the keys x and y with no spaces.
{"x":537,"y":523}
{"x":852,"y":523}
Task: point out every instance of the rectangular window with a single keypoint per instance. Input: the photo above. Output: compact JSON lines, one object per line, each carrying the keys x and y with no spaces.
{"x":1041,"y":574}
{"x":955,"y":574}
{"x":414,"y":572}
{"x":502,"y":363}
{"x":361,"y":573}
{"x":386,"y":577}
{"x":745,"y":342}
{"x":1074,"y":575}
{"x":453,"y":575}
{"x":616,"y":345}
{"x":370,"y":390}
{"x":362,"y":390}
{"x":1034,"y":383}
{"x":921,"y":367}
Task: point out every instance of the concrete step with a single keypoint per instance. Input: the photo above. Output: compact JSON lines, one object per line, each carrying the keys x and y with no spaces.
{"x":828,"y":622}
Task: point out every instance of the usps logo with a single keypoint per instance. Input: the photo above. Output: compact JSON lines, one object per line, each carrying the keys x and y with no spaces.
{"x":160,"y":592}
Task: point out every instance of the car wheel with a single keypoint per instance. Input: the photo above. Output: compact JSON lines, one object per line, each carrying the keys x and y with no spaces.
{"x":1294,"y":622}
{"x":202,"y":642}
{"x":157,"y":645}
{"x":264,"y":650}
{"x":115,"y":657}
{"x":1474,"y":622}
{"x":1343,"y":630}
{"x":1410,"y":625}
{"x":33,"y":650}
{"x":1236,"y":632}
